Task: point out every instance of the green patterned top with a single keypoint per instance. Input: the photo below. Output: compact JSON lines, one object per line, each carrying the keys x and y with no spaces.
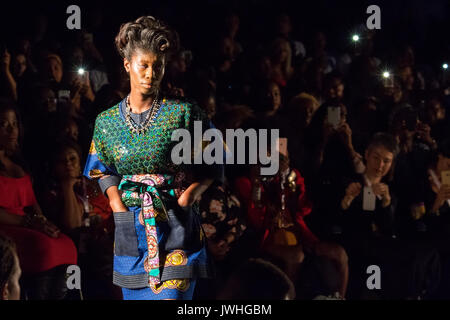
{"x":129,"y":153}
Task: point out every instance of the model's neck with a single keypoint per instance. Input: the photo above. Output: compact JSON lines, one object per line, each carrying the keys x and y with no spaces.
{"x":139,"y":103}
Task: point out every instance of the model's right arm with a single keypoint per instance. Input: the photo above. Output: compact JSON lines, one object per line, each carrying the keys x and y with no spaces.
{"x":115,"y":200}
{"x":97,"y":167}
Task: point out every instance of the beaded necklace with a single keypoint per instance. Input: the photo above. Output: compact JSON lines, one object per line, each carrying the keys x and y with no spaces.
{"x":141,"y":128}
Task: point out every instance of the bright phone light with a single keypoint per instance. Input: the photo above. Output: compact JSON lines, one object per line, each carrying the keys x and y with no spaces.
{"x":80,"y":71}
{"x":355,"y":38}
{"x":445,"y":66}
{"x":386,"y":74}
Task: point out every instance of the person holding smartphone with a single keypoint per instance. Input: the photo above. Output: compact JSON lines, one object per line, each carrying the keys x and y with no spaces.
{"x":434,"y":190}
{"x":369,"y":192}
{"x":329,"y":142}
{"x":367,"y":216}
{"x":437,"y":210}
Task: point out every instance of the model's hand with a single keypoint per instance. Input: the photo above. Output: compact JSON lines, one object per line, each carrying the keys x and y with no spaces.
{"x":193,"y":193}
{"x":118,"y":206}
{"x":187,"y":198}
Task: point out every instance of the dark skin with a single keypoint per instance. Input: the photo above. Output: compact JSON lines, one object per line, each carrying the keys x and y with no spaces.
{"x":9,"y":133}
{"x":67,"y":171}
{"x":142,"y":83}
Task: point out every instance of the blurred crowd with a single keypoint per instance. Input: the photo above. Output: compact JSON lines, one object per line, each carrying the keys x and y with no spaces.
{"x":363,"y":180}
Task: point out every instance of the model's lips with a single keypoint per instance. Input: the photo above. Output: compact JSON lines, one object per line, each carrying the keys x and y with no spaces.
{"x":147,"y":85}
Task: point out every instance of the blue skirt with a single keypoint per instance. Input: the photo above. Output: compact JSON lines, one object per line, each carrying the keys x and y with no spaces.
{"x":179,"y":268}
{"x":167,"y":291}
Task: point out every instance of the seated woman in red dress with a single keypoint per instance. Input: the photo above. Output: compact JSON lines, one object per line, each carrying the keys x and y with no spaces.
{"x":40,"y":245}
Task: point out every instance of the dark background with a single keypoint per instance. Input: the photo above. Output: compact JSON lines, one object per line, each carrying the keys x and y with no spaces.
{"x":418,"y":22}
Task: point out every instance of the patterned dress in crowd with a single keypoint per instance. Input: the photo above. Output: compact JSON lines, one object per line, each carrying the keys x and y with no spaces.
{"x":159,"y":248}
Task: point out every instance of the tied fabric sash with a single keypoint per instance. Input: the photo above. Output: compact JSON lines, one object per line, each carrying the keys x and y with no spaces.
{"x":146,"y":190}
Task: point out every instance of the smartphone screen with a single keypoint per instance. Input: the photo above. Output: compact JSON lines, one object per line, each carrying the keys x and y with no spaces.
{"x":334,"y":116}
{"x":63,"y":96}
{"x":369,"y":199}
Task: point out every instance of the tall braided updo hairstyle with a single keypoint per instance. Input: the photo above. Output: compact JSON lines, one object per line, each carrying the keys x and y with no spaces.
{"x":148,"y":34}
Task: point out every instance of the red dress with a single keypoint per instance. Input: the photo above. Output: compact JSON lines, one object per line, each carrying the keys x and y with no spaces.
{"x":37,"y":252}
{"x":257,"y":216}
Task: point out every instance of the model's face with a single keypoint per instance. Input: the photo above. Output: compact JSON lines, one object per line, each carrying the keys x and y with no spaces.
{"x":146,"y":72}
{"x":379,"y":161}
{"x":11,"y":291}
{"x":9,"y":130}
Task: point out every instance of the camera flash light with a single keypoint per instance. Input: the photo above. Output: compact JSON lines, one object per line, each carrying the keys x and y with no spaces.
{"x":355,"y":38}
{"x":80,"y":71}
{"x":445,"y":66}
{"x":386,"y":75}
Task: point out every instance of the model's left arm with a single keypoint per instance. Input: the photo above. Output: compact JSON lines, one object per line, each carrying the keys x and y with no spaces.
{"x":204,"y":174}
